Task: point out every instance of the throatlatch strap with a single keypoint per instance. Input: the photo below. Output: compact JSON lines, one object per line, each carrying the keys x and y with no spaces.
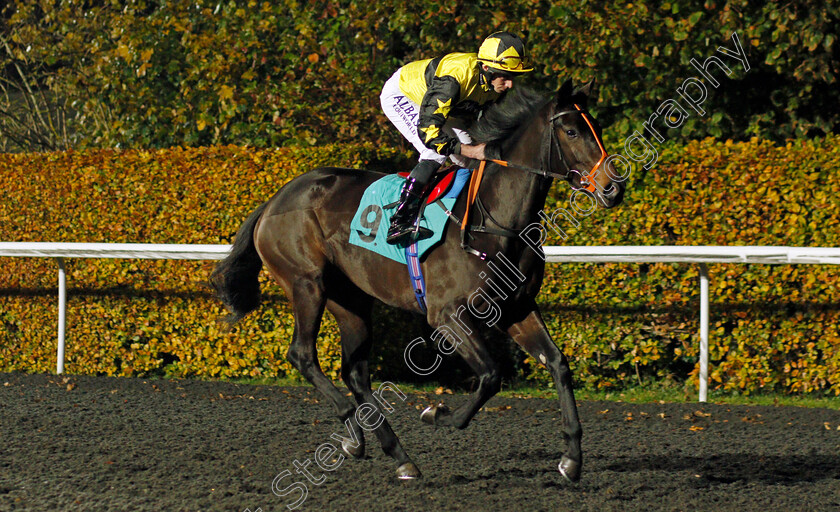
{"x":415,"y":273}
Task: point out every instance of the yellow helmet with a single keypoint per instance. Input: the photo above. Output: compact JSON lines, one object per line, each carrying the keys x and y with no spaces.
{"x":503,"y":51}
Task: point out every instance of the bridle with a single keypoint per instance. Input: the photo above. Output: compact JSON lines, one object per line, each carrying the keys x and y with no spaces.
{"x":550,"y":143}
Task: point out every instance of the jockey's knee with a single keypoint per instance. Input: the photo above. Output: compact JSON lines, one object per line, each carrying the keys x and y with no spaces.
{"x":424,"y":170}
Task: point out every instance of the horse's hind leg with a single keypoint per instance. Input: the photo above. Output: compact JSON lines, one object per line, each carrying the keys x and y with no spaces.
{"x":353,"y":317}
{"x":308,"y":299}
{"x":532,"y":335}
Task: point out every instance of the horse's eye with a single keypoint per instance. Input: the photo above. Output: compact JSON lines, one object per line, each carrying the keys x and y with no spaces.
{"x":571,"y":133}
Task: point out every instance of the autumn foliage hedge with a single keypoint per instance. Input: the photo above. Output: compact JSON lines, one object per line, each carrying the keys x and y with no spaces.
{"x":142,"y":73}
{"x":134,"y":317}
{"x":773,"y":327}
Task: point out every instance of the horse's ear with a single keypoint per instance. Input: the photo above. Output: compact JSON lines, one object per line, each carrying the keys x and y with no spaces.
{"x":585,"y":90}
{"x":566,"y":91}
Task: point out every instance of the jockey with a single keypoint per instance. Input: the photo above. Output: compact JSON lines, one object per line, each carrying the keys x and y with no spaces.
{"x":432,"y":101}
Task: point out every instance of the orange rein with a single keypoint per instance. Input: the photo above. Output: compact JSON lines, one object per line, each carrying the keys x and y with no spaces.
{"x":590,"y":185}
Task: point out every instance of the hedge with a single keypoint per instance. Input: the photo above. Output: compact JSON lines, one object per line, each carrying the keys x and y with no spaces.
{"x":140,"y":73}
{"x":134,"y":317}
{"x":773,"y":327}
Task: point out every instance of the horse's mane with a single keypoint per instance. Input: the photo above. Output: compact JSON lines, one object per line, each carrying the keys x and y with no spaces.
{"x":503,"y":118}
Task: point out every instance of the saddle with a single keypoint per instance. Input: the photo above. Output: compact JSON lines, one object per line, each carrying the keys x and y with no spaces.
{"x":441,"y":182}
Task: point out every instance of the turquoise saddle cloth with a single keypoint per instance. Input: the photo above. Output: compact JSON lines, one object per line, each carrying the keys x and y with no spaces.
{"x":369,"y":227}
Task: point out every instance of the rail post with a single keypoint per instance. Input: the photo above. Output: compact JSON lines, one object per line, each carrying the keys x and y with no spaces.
{"x":704,"y":331}
{"x":62,"y":314}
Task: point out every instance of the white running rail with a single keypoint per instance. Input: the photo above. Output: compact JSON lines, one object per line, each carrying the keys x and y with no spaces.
{"x":59,"y":251}
{"x":774,"y":255}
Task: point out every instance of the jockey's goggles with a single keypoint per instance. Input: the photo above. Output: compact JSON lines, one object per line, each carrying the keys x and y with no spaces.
{"x":510,"y":63}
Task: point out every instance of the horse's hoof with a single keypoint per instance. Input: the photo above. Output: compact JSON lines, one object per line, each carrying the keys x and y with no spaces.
{"x":431,"y":414}
{"x":408,"y":471}
{"x":357,"y":450}
{"x":569,"y":468}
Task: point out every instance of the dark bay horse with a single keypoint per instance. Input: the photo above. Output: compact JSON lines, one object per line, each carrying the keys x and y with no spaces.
{"x":301,"y":236}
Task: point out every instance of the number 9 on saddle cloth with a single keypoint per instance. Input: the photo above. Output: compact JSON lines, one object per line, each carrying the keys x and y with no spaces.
{"x":369,"y":226}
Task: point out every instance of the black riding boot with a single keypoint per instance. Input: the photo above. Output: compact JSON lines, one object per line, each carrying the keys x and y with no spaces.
{"x":403,"y":221}
{"x":403,"y":227}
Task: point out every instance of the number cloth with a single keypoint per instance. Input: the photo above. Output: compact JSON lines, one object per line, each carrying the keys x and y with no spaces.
{"x":369,"y":227}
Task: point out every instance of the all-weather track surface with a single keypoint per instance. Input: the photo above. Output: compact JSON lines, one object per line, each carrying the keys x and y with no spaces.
{"x":99,"y":443}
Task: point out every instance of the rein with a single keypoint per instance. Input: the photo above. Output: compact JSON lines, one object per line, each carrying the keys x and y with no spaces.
{"x":552,"y":141}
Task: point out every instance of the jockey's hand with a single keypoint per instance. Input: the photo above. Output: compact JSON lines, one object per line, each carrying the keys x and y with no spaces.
{"x":476,"y":151}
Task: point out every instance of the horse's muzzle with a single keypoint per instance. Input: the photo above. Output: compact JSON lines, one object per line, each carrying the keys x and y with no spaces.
{"x":610,"y":196}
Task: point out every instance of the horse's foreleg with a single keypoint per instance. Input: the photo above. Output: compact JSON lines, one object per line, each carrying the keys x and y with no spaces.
{"x":471,"y":348}
{"x":354,"y":323}
{"x":532,"y":335}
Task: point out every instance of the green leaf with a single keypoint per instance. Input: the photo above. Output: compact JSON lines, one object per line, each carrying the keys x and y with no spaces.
{"x":694,"y":18}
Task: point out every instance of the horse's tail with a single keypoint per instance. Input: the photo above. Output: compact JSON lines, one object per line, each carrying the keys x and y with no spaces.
{"x":236,"y":278}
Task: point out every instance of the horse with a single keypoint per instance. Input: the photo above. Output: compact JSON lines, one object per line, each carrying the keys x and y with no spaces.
{"x":300,"y":235}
